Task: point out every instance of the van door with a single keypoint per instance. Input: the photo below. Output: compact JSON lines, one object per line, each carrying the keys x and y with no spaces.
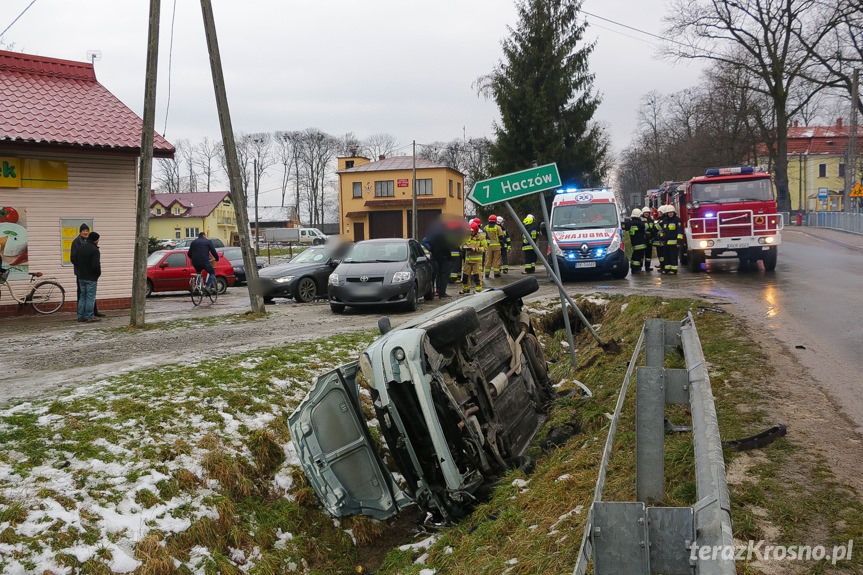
{"x":337,"y":453}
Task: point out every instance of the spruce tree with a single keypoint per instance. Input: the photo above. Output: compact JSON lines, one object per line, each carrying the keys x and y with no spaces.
{"x":544,"y":90}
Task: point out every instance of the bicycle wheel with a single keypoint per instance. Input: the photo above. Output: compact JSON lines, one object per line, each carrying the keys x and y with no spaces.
{"x":213,"y":293}
{"x":196,"y":291}
{"x":47,"y":297}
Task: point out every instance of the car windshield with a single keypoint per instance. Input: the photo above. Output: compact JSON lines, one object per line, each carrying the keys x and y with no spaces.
{"x":365,"y":252}
{"x":757,"y":190}
{"x":584,"y":216}
{"x":155,"y":258}
{"x":311,"y":255}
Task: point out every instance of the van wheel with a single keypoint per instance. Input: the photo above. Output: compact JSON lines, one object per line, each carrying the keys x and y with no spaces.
{"x":318,"y":241}
{"x":621,"y":272}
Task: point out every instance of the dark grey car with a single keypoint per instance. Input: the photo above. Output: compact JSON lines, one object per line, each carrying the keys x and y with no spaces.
{"x":382,"y":272}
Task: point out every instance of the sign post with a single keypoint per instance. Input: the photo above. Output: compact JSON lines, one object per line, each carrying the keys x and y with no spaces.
{"x":524,"y":183}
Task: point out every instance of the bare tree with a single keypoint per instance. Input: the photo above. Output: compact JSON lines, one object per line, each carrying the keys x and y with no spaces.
{"x":317,"y":151}
{"x":763,"y":39}
{"x":168,"y":178}
{"x":206,"y":158}
{"x":378,"y":145}
{"x":260,"y":147}
{"x":186,"y":152}
{"x":287,"y":151}
{"x":350,"y":145}
{"x":244,"y":157}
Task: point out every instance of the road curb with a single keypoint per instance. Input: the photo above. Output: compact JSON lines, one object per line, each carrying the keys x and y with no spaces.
{"x":832,"y":241}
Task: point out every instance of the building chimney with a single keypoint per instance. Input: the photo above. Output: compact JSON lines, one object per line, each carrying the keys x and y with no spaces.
{"x":382,"y":157}
{"x":839,"y":122}
{"x":795,"y":123}
{"x":353,"y":150}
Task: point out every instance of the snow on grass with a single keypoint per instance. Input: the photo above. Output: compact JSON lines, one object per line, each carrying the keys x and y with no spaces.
{"x":87,"y":476}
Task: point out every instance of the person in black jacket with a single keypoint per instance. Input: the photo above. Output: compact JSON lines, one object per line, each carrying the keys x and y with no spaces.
{"x":637,"y":230}
{"x":89,"y":266}
{"x":440,"y":247}
{"x":79,"y":240}
{"x":672,"y":238}
{"x":201,"y":251}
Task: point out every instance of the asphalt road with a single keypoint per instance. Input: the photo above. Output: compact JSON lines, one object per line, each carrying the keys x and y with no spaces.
{"x":811,"y":300}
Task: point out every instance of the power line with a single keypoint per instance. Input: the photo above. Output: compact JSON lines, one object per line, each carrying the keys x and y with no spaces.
{"x":634,"y":29}
{"x":16,"y":19}
{"x":170,"y":59}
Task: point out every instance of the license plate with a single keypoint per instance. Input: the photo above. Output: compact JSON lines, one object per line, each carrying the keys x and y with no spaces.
{"x":736,"y":245}
{"x":585,"y":264}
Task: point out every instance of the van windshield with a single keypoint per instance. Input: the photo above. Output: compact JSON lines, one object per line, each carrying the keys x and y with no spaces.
{"x":757,"y":190}
{"x":584,"y":216}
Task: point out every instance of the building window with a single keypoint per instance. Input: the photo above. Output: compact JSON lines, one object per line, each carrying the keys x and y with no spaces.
{"x":458,"y":189}
{"x":424,"y":187}
{"x":822,"y":170}
{"x":841,"y":170}
{"x":176,"y":211}
{"x":158,"y":211}
{"x":450,"y":188}
{"x":349,"y":164}
{"x":358,"y":189}
{"x":385,"y":189}
{"x":191,"y":232}
{"x":178,"y":234}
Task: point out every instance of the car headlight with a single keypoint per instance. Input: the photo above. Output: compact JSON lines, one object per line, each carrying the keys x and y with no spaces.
{"x":334,"y":279}
{"x":615,"y":243}
{"x":284,"y":280}
{"x":555,"y":249}
{"x":401,"y":277}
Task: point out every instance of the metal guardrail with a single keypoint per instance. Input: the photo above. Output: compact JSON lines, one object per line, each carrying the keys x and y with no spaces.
{"x":845,"y":221}
{"x":630,"y":538}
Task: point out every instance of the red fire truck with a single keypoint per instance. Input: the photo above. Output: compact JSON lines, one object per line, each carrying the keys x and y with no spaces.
{"x":729,"y":210}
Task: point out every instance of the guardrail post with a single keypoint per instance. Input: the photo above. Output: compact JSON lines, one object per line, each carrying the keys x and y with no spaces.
{"x":649,"y":434}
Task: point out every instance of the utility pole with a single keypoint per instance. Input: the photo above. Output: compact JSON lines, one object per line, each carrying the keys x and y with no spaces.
{"x":145,"y":174}
{"x":257,"y":231}
{"x":414,"y":218}
{"x":257,"y":302}
{"x":851,"y":167}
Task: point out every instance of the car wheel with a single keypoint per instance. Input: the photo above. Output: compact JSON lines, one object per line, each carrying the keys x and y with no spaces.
{"x":411,"y":301}
{"x":221,"y":285}
{"x":452,"y":326}
{"x":429,"y":295}
{"x":521,"y":287}
{"x":268,"y":300}
{"x":306,"y":290}
{"x":337,"y":307}
{"x":149,"y":290}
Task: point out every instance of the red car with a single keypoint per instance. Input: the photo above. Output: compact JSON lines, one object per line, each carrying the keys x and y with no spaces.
{"x":171,"y":270}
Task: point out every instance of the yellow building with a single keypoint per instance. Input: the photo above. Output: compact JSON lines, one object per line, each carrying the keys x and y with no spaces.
{"x":816,"y":166}
{"x":183,"y":216}
{"x":375,"y":198}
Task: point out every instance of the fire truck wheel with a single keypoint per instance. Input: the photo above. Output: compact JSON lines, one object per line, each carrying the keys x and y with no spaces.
{"x":770,"y":259}
{"x":695,"y":261}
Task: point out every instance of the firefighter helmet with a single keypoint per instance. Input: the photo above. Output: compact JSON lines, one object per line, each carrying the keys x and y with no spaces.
{"x":528,"y":220}
{"x":474,"y":227}
{"x":500,"y":219}
{"x":492,"y":219}
{"x":636,"y":213}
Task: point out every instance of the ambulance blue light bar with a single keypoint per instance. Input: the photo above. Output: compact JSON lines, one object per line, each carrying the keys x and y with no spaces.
{"x":736,"y":170}
{"x":566,"y":190}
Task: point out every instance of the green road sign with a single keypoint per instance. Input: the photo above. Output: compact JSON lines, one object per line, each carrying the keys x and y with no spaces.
{"x":515,"y":185}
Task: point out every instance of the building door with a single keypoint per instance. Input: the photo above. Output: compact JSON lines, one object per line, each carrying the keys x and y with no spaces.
{"x":385,"y":224}
{"x":359,"y":231}
{"x":425,"y":218}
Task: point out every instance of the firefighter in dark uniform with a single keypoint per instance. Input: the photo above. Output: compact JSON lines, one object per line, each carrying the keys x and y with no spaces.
{"x":649,"y":236}
{"x":636,"y":229}
{"x":672,"y":238}
{"x":657,"y":237}
{"x":527,"y":250}
{"x":504,"y":246}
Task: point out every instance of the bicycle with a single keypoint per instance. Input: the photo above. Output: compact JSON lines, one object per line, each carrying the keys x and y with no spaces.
{"x":198,"y":289}
{"x":46,"y":296}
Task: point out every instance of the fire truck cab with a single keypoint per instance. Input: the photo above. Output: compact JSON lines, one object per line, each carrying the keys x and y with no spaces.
{"x":730,"y":211}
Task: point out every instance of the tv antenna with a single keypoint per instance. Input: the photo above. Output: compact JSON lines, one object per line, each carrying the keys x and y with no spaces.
{"x":94,"y":55}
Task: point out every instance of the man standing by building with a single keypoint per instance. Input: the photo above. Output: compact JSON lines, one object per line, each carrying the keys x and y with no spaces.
{"x":89,"y":266}
{"x":526,"y":248}
{"x":79,"y":240}
{"x":201,"y":251}
{"x":492,"y":235}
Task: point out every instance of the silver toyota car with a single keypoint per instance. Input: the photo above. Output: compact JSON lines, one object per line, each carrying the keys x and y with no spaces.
{"x":457,"y":394}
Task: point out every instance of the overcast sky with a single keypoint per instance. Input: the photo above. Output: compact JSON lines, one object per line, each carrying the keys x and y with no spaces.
{"x":401,"y":67}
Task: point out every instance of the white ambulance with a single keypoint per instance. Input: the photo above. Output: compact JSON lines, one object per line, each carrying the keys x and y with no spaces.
{"x":585,"y":235}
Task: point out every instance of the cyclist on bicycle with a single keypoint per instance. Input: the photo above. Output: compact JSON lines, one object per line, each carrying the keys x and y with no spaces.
{"x":201,"y":251}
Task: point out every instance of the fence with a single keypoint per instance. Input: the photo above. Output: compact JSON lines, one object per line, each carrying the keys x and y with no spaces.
{"x":845,"y":221}
{"x":630,"y":538}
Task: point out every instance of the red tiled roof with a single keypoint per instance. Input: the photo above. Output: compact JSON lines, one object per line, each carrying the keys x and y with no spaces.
{"x":60,"y":103}
{"x":397,"y":163}
{"x":817,"y":140}
{"x":200,"y":204}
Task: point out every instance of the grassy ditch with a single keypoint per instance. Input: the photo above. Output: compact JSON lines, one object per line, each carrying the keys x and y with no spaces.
{"x":189,"y":469}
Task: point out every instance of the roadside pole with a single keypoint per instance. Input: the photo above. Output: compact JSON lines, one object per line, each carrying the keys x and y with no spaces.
{"x":528,"y":182}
